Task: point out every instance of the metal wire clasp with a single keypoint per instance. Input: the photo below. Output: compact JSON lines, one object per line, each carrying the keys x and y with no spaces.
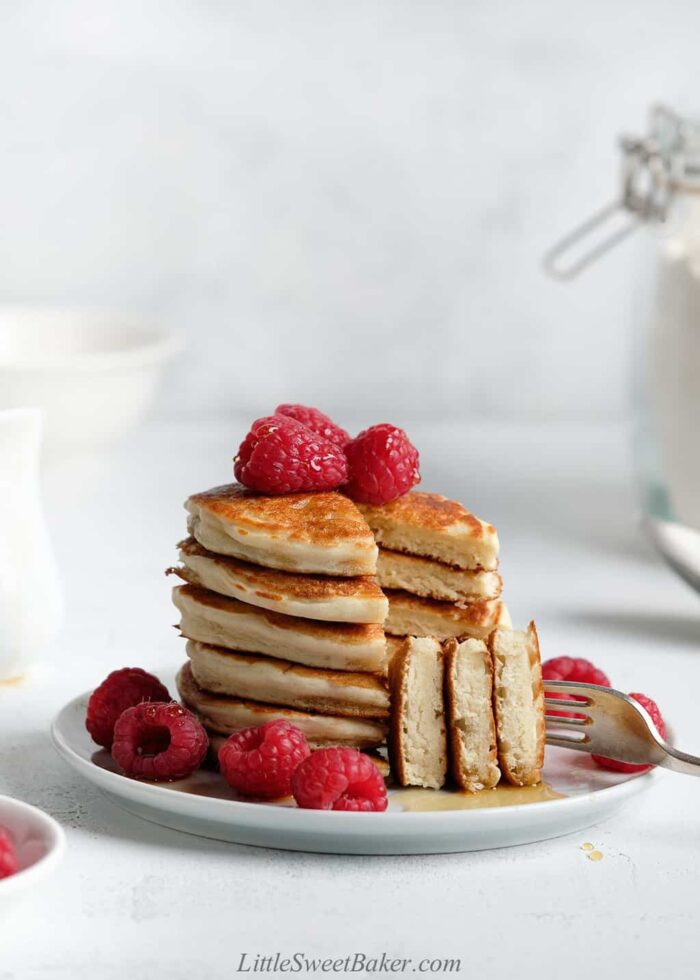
{"x":647,"y":190}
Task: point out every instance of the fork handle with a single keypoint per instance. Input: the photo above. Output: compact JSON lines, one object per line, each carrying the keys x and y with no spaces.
{"x":679,"y":761}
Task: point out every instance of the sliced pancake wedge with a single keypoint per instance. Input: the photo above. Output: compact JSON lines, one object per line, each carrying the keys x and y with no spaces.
{"x":222,"y":621}
{"x":434,"y":579}
{"x":518,"y":704}
{"x":411,"y":615}
{"x":471,"y":730}
{"x":417,"y":739}
{"x":252,"y":677}
{"x":338,"y":599}
{"x":226,"y":715}
{"x":304,"y":532}
{"x":430,"y":525}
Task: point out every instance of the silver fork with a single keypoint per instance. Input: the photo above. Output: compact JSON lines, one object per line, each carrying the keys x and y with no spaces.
{"x":613,"y":725}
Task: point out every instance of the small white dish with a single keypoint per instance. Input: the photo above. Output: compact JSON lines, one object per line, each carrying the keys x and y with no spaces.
{"x":40,"y":844}
{"x":93,"y":373}
{"x":204,"y":805}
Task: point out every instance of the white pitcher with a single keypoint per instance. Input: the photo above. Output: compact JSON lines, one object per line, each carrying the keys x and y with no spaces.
{"x":31,"y":605}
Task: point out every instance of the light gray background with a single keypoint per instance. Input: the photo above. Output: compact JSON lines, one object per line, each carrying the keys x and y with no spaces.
{"x":340,"y":202}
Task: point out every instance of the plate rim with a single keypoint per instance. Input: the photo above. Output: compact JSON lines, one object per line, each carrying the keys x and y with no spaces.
{"x":153,"y":794}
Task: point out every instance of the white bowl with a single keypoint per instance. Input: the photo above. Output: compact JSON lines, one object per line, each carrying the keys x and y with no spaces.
{"x":40,"y":843}
{"x":94,"y":374}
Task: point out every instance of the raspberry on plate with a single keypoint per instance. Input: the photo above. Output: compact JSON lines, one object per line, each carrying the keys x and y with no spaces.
{"x":280,"y":455}
{"x":9,"y":862}
{"x":656,"y":717}
{"x":339,"y":779}
{"x":159,"y":741}
{"x":261,"y":761}
{"x":121,"y":690}
{"x":382,"y":465}
{"x":571,"y":669}
{"x":317,"y":421}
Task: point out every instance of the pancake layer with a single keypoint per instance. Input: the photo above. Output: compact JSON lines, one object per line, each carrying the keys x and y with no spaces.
{"x":251,"y":677}
{"x":339,"y":599}
{"x":226,"y":715}
{"x":225,"y":622}
{"x":320,"y":533}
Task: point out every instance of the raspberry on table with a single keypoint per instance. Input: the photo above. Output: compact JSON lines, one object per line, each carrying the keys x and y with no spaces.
{"x":571,"y":669}
{"x":383,"y":464}
{"x":122,"y":689}
{"x":656,"y":717}
{"x":9,"y":862}
{"x":261,"y":761}
{"x":280,"y":455}
{"x":159,"y":741}
{"x":339,"y":779}
{"x":317,"y":421}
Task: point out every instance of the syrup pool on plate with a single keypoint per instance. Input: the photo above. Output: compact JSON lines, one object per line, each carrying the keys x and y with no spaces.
{"x":423,"y":800}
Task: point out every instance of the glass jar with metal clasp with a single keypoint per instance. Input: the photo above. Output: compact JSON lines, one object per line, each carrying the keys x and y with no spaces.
{"x":660,"y":194}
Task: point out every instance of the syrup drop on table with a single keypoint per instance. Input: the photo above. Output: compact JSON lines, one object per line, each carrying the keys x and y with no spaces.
{"x":423,"y":800}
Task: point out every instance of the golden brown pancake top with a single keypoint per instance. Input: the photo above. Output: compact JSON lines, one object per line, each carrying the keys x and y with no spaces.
{"x":339,"y":632}
{"x":429,"y":511}
{"x":271,"y":584}
{"x":324,"y":518}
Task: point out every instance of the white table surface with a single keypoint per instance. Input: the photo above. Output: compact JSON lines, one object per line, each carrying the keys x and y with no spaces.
{"x":133,"y":899}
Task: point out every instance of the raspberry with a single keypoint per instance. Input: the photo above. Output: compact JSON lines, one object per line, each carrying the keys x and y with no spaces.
{"x":382,"y":464}
{"x":121,"y":690}
{"x":571,"y":669}
{"x":653,"y":709}
{"x":9,"y":862}
{"x":159,"y":740}
{"x":339,"y":779}
{"x":260,"y":761}
{"x":317,"y":421}
{"x":280,"y":455}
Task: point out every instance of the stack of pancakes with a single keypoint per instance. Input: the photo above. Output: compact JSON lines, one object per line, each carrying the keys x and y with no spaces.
{"x":438,"y":567}
{"x":283,"y":616}
{"x":291,"y":610}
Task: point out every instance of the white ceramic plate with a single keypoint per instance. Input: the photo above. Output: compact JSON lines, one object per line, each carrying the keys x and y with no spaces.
{"x":204,"y":805}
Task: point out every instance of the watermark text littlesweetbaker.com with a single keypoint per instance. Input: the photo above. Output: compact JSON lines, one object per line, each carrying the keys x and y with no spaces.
{"x":353,"y":963}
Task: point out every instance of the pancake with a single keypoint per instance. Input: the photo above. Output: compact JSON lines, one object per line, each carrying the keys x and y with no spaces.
{"x":471,"y":730}
{"x":434,"y":579}
{"x":226,"y":715}
{"x":225,"y":622}
{"x":337,"y":599}
{"x":432,"y":526}
{"x":518,"y":704}
{"x":255,"y":678}
{"x":303,"y":532}
{"x":417,"y":741}
{"x":411,"y":615}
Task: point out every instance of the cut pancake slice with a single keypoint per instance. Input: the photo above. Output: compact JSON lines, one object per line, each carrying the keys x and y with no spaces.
{"x":251,"y":677}
{"x":471,"y":731}
{"x":338,"y":599}
{"x":417,"y":740}
{"x":302,"y":532}
{"x":518,"y":704}
{"x":432,"y":526}
{"x":434,"y":579}
{"x":226,"y":715}
{"x":225,"y":622}
{"x":411,"y":615}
